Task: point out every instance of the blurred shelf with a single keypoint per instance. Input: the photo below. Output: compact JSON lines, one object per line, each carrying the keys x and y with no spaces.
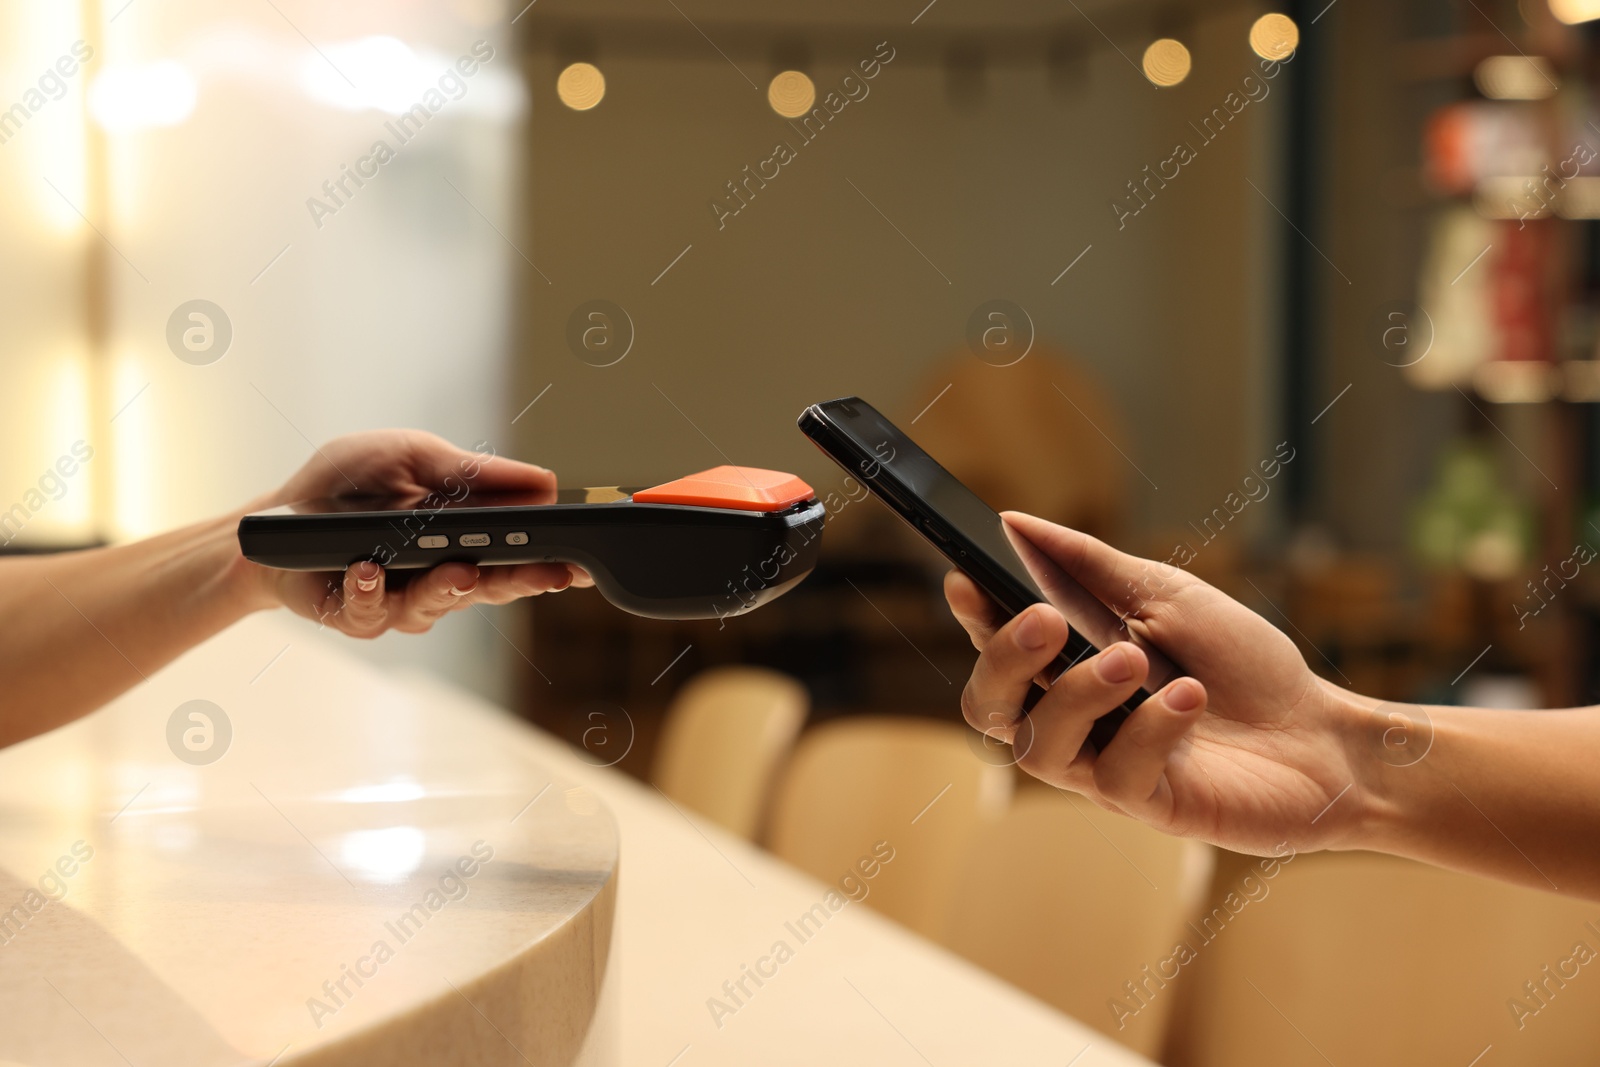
{"x":1508,"y":382}
{"x":1581,"y":381}
{"x":1536,"y":382}
{"x":1447,"y":58}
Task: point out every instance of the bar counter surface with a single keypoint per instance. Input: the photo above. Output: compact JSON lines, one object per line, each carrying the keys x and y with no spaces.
{"x":380,"y":868}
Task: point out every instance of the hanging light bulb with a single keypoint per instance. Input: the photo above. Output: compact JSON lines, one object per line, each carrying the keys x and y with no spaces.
{"x":1166,"y":62}
{"x":1274,"y":37}
{"x":791,"y":94}
{"x":581,"y":86}
{"x":1575,"y":11}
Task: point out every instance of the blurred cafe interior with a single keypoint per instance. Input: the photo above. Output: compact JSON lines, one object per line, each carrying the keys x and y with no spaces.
{"x":1304,"y":298}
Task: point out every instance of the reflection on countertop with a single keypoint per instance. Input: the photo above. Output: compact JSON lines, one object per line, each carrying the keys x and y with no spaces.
{"x":362,"y":876}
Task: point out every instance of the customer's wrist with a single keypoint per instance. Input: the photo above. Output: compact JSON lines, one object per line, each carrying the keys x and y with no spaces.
{"x":1385,"y":744}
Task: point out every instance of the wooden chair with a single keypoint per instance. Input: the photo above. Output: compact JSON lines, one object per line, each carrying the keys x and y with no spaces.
{"x":914,"y":784}
{"x":727,"y":732}
{"x":1357,"y":958}
{"x":1069,"y":901}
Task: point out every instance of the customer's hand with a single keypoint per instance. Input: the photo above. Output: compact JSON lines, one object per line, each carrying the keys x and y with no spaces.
{"x":363,"y":601}
{"x":1247,"y":750}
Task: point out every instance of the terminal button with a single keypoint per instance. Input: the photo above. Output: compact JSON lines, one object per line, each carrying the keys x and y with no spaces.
{"x":518,"y":538}
{"x":737,"y":488}
{"x":477,"y":540}
{"x":433,"y":541}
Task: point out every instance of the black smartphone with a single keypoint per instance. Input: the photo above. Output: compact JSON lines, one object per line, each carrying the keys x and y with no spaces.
{"x":968,"y":532}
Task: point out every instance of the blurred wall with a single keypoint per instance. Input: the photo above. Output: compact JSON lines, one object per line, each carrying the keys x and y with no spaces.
{"x":981,"y":186}
{"x":216,"y":126}
{"x":44,"y":354}
{"x":1380,"y":441}
{"x":983,"y":163}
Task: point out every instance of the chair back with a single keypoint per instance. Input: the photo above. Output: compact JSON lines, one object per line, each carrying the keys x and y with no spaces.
{"x":1073,"y":903}
{"x":726,"y":734}
{"x":1362,"y":958}
{"x":860,"y":786}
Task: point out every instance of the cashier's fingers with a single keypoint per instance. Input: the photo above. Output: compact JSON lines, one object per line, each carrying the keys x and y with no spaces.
{"x":430,"y":596}
{"x":360,"y":606}
{"x":1062,"y":718}
{"x":972,"y":608}
{"x":501,"y":585}
{"x":1131,"y":772}
{"x":365,"y":603}
{"x":992,"y":700}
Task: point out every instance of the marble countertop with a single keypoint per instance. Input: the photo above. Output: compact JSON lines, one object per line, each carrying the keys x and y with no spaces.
{"x":222,"y":899}
{"x":357,"y":874}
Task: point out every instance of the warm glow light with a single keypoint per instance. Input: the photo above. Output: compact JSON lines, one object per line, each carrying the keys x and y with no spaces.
{"x":1515,"y":78}
{"x":581,"y":86}
{"x":70,"y":516}
{"x":386,"y":855}
{"x":60,"y":475}
{"x":394,"y":791}
{"x":124,"y":99}
{"x":1274,"y":37}
{"x":373,"y":73}
{"x":132,"y":453}
{"x":130,"y":186}
{"x":50,"y":142}
{"x":791,"y":94}
{"x":1166,"y":62}
{"x":1575,"y":11}
{"x":62,"y":189}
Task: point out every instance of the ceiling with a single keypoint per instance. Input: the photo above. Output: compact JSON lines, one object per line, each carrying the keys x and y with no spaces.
{"x":1002,"y":30}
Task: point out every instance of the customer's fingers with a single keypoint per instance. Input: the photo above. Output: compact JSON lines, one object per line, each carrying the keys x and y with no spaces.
{"x":1106,"y":595}
{"x":431,"y":596}
{"x":363,"y":601}
{"x":1115,"y":582}
{"x":1062,"y":718}
{"x":992,"y":700}
{"x":1131,"y":772}
{"x":973,"y":609}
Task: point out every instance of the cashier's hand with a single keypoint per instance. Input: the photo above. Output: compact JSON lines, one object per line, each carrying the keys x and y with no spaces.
{"x":365,"y":601}
{"x":1247,"y":751}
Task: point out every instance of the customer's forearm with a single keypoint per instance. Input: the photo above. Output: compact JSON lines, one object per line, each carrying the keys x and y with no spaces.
{"x":1509,"y":794}
{"x":84,"y":626}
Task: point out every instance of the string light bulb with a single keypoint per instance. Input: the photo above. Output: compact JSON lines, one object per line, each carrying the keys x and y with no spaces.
{"x":1274,"y":37}
{"x":791,"y":94}
{"x":1166,"y":62}
{"x":1573,"y":12}
{"x":581,"y":86}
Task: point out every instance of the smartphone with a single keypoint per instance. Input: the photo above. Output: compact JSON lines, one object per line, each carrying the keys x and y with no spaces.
{"x":968,"y":532}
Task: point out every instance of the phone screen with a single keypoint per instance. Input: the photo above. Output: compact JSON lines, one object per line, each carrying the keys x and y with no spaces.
{"x":894,"y":466}
{"x":901,"y":459}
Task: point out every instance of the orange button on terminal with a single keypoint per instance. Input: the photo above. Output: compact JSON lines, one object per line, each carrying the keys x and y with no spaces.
{"x":738,"y":488}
